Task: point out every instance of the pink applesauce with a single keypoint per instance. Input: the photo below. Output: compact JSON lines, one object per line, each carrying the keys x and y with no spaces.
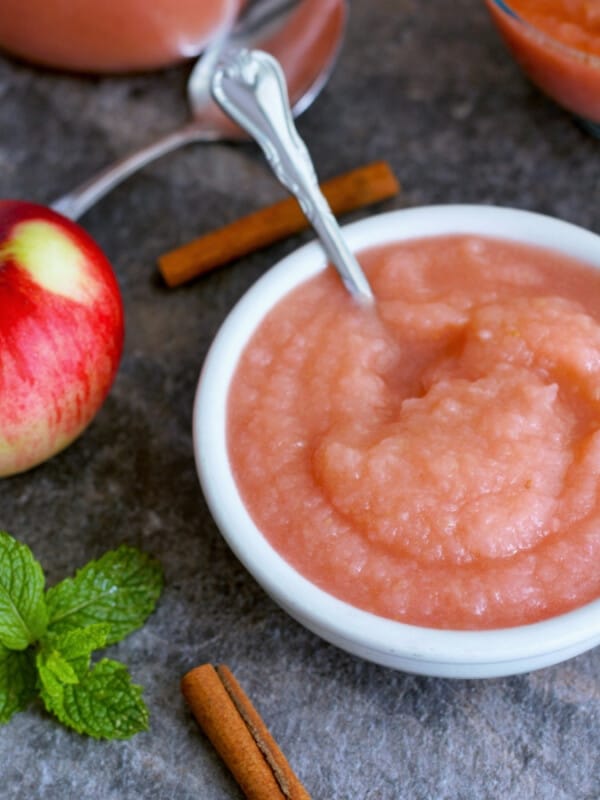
{"x":111,"y":35}
{"x":557,"y":44}
{"x":435,"y":460}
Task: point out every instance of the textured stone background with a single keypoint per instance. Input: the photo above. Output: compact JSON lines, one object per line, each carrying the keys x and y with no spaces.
{"x":426,"y":85}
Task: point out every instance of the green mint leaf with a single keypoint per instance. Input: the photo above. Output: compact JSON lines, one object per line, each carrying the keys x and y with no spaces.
{"x":23,"y":614}
{"x":58,"y":666}
{"x":79,"y":643}
{"x":120,"y":589}
{"x":17,"y":681}
{"x":104,"y":703}
{"x":52,"y":678}
{"x":66,"y":657}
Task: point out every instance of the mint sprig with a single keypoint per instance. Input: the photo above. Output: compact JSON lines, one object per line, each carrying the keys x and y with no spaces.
{"x":47,"y":638}
{"x":121,"y":588}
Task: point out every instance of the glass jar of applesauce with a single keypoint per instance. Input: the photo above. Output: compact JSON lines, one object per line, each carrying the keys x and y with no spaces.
{"x":111,"y":35}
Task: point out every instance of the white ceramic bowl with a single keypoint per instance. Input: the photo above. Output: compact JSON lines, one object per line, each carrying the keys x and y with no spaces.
{"x":460,"y":654}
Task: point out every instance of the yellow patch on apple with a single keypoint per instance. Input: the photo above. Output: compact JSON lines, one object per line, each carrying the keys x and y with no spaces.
{"x":53,"y":261}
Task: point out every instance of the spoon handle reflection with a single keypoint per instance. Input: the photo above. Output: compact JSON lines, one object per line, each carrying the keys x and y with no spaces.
{"x":250,"y":86}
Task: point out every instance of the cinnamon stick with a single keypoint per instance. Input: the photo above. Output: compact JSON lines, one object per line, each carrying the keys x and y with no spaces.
{"x":356,"y":189}
{"x":239,"y":735}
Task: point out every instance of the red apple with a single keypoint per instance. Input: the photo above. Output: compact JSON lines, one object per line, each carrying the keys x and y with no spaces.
{"x":61,"y":333}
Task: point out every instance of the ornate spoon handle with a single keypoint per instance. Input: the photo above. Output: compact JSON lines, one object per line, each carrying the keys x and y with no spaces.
{"x":251,"y":88}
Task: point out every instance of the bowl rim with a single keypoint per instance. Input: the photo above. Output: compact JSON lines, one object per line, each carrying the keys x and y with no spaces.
{"x":505,"y":7}
{"x":313,"y":606}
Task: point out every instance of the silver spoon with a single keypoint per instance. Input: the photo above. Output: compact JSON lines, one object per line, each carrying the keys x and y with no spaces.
{"x":305,"y":35}
{"x":250,"y":86}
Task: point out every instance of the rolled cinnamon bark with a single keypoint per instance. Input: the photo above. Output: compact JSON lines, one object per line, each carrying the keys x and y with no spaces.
{"x":239,"y":735}
{"x":356,"y":189}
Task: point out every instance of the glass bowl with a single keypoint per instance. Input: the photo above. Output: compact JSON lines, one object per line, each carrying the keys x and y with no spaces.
{"x":422,"y":650}
{"x":570,"y":76}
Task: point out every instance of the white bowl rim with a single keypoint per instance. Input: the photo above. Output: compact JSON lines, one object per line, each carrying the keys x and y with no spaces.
{"x":315,"y":607}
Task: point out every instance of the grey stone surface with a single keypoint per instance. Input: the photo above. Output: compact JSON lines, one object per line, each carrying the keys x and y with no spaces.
{"x":428,"y":87}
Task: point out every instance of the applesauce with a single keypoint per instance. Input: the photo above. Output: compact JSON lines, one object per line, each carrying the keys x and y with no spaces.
{"x":110,"y":36}
{"x":436,"y":459}
{"x":575,"y":23}
{"x":557,"y":44}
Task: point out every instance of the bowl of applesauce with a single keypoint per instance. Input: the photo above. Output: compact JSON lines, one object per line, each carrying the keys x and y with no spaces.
{"x":557,"y":45}
{"x":418,"y":482}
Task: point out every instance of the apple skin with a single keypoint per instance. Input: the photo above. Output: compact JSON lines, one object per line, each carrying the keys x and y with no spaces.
{"x":61,"y":333}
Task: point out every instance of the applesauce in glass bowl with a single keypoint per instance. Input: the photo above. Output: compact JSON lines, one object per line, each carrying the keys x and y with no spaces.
{"x":111,"y":35}
{"x":557,"y":45}
{"x":415,"y":483}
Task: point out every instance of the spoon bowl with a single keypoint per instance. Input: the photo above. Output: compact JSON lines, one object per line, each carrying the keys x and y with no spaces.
{"x":304,"y":35}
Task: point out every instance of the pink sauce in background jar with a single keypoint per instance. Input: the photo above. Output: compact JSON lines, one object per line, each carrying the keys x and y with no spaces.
{"x":437,"y":460}
{"x":557,"y":44}
{"x":109,"y":36}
